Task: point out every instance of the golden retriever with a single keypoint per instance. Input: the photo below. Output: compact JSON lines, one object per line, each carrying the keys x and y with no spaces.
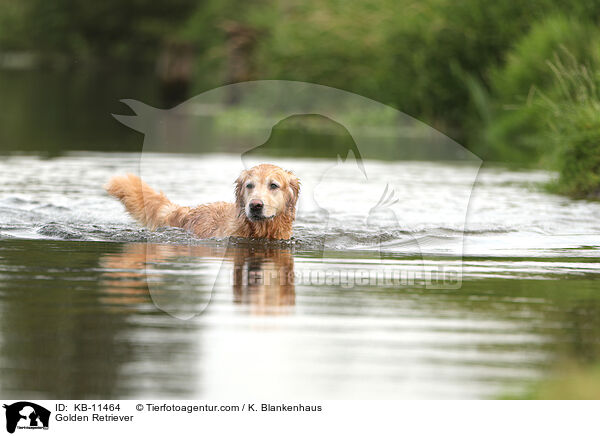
{"x":265,"y":206}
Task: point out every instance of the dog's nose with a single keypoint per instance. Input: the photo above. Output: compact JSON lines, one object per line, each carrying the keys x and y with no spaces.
{"x":256,"y":205}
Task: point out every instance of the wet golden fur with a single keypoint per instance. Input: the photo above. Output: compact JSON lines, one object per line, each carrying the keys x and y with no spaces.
{"x":153,"y":209}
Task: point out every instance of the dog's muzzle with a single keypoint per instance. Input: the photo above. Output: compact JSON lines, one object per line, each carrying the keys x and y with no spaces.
{"x":256,"y":210}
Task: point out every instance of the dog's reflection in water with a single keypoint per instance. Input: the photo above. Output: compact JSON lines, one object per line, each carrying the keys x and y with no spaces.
{"x":263,"y":277}
{"x":181,"y":278}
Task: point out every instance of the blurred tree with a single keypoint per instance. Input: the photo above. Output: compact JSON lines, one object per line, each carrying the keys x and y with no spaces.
{"x":131,"y":30}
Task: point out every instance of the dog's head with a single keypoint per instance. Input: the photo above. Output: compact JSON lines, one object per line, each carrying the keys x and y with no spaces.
{"x":266,"y":191}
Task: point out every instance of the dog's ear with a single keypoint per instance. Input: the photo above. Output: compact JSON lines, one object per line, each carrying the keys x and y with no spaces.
{"x":294,"y":187}
{"x":239,"y":185}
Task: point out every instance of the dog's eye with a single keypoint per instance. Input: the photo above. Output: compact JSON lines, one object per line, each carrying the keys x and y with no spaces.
{"x":250,"y":185}
{"x":274,"y":186}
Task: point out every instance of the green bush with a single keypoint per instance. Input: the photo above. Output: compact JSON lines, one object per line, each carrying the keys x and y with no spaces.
{"x":451,"y":45}
{"x":580,"y":154}
{"x":575,"y":129}
{"x":520,"y":90}
{"x":526,"y":64}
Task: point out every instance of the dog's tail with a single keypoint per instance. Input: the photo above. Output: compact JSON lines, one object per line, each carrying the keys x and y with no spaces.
{"x":152,"y":209}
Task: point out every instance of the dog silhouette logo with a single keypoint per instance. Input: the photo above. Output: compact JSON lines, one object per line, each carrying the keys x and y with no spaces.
{"x":26,"y":415}
{"x":278,"y":121}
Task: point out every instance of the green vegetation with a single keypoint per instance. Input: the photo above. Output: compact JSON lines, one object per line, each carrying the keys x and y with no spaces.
{"x":492,"y":75}
{"x":90,"y":31}
{"x":576,"y":129}
{"x":569,"y":381}
{"x":527,"y":96}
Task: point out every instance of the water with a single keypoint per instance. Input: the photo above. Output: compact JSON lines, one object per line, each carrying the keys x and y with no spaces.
{"x":93,"y":306}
